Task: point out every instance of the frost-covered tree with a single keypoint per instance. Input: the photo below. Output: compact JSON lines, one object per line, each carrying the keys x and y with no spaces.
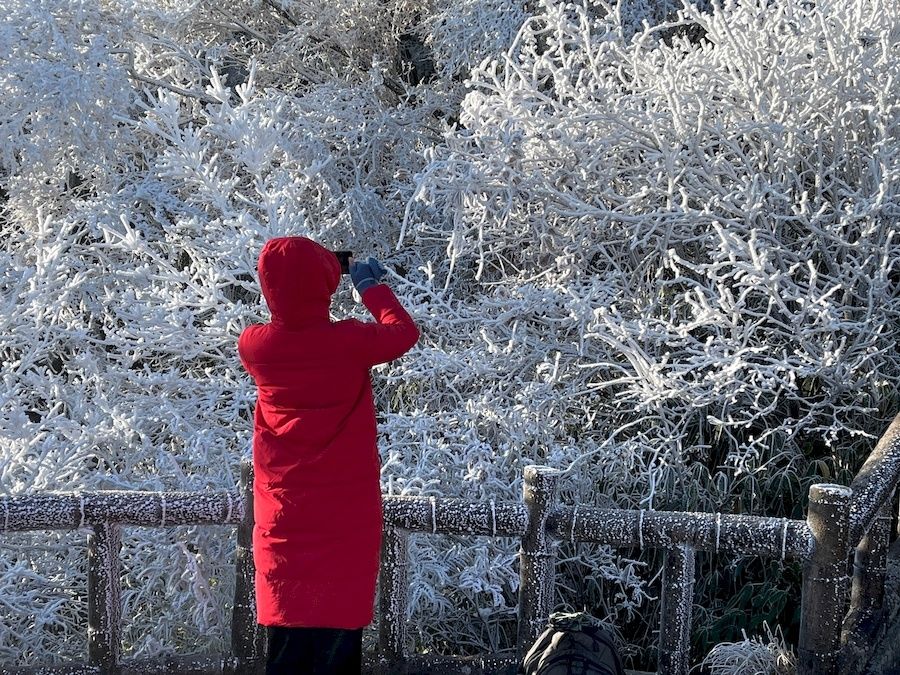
{"x":141,"y":177}
{"x":689,"y":238}
{"x":661,"y":257}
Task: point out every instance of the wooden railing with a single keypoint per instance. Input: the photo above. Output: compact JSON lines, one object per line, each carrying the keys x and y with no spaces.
{"x":105,"y":513}
{"x":832,"y":640}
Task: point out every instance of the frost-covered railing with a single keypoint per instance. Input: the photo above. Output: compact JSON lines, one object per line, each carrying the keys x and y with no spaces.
{"x":540,"y":519}
{"x":832,"y":640}
{"x":105,"y":513}
{"x":839,"y":519}
{"x":870,"y":514}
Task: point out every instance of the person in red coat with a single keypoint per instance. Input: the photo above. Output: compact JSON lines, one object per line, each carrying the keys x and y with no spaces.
{"x":316,"y":491}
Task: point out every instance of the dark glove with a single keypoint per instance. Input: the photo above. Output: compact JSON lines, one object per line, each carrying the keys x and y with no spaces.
{"x":366,"y":274}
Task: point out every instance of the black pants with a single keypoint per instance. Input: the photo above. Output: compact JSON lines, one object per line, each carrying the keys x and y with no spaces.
{"x":313,"y":651}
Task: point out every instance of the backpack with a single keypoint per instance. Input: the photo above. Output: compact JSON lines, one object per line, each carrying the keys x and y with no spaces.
{"x":573,"y":644}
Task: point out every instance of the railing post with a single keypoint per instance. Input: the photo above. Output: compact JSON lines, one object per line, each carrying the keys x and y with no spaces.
{"x":867,"y":589}
{"x":393,"y":598}
{"x":825,"y":580}
{"x":104,"y":587}
{"x":247,"y":638}
{"x":676,"y":611}
{"x":536,"y":558}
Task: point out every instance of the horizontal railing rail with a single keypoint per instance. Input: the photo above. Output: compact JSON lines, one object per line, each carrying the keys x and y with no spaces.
{"x":715,"y":532}
{"x":448,"y":515}
{"x":163,"y":665}
{"x":619,"y":528}
{"x":74,"y":510}
{"x":737,"y":534}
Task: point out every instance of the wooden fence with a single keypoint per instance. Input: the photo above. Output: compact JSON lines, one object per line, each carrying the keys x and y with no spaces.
{"x":832,"y":639}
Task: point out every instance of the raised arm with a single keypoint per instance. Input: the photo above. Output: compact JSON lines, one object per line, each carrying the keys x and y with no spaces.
{"x":394,"y":332}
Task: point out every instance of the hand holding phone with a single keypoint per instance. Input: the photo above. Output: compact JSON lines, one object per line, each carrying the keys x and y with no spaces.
{"x":366,"y":274}
{"x":344,"y":258}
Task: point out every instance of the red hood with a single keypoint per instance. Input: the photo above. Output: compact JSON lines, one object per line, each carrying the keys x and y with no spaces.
{"x":298,"y":278}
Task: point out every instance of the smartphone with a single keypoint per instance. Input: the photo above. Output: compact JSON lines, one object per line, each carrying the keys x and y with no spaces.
{"x":344,"y":259}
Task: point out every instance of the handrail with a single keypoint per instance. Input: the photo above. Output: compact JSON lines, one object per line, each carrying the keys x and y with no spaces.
{"x":837,"y":520}
{"x":738,"y":534}
{"x":717,"y":532}
{"x":74,"y":510}
{"x":875,"y":482}
{"x":449,"y":515}
{"x":540,"y":517}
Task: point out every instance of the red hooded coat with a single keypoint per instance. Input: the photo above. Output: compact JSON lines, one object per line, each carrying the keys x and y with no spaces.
{"x":317,"y":493}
